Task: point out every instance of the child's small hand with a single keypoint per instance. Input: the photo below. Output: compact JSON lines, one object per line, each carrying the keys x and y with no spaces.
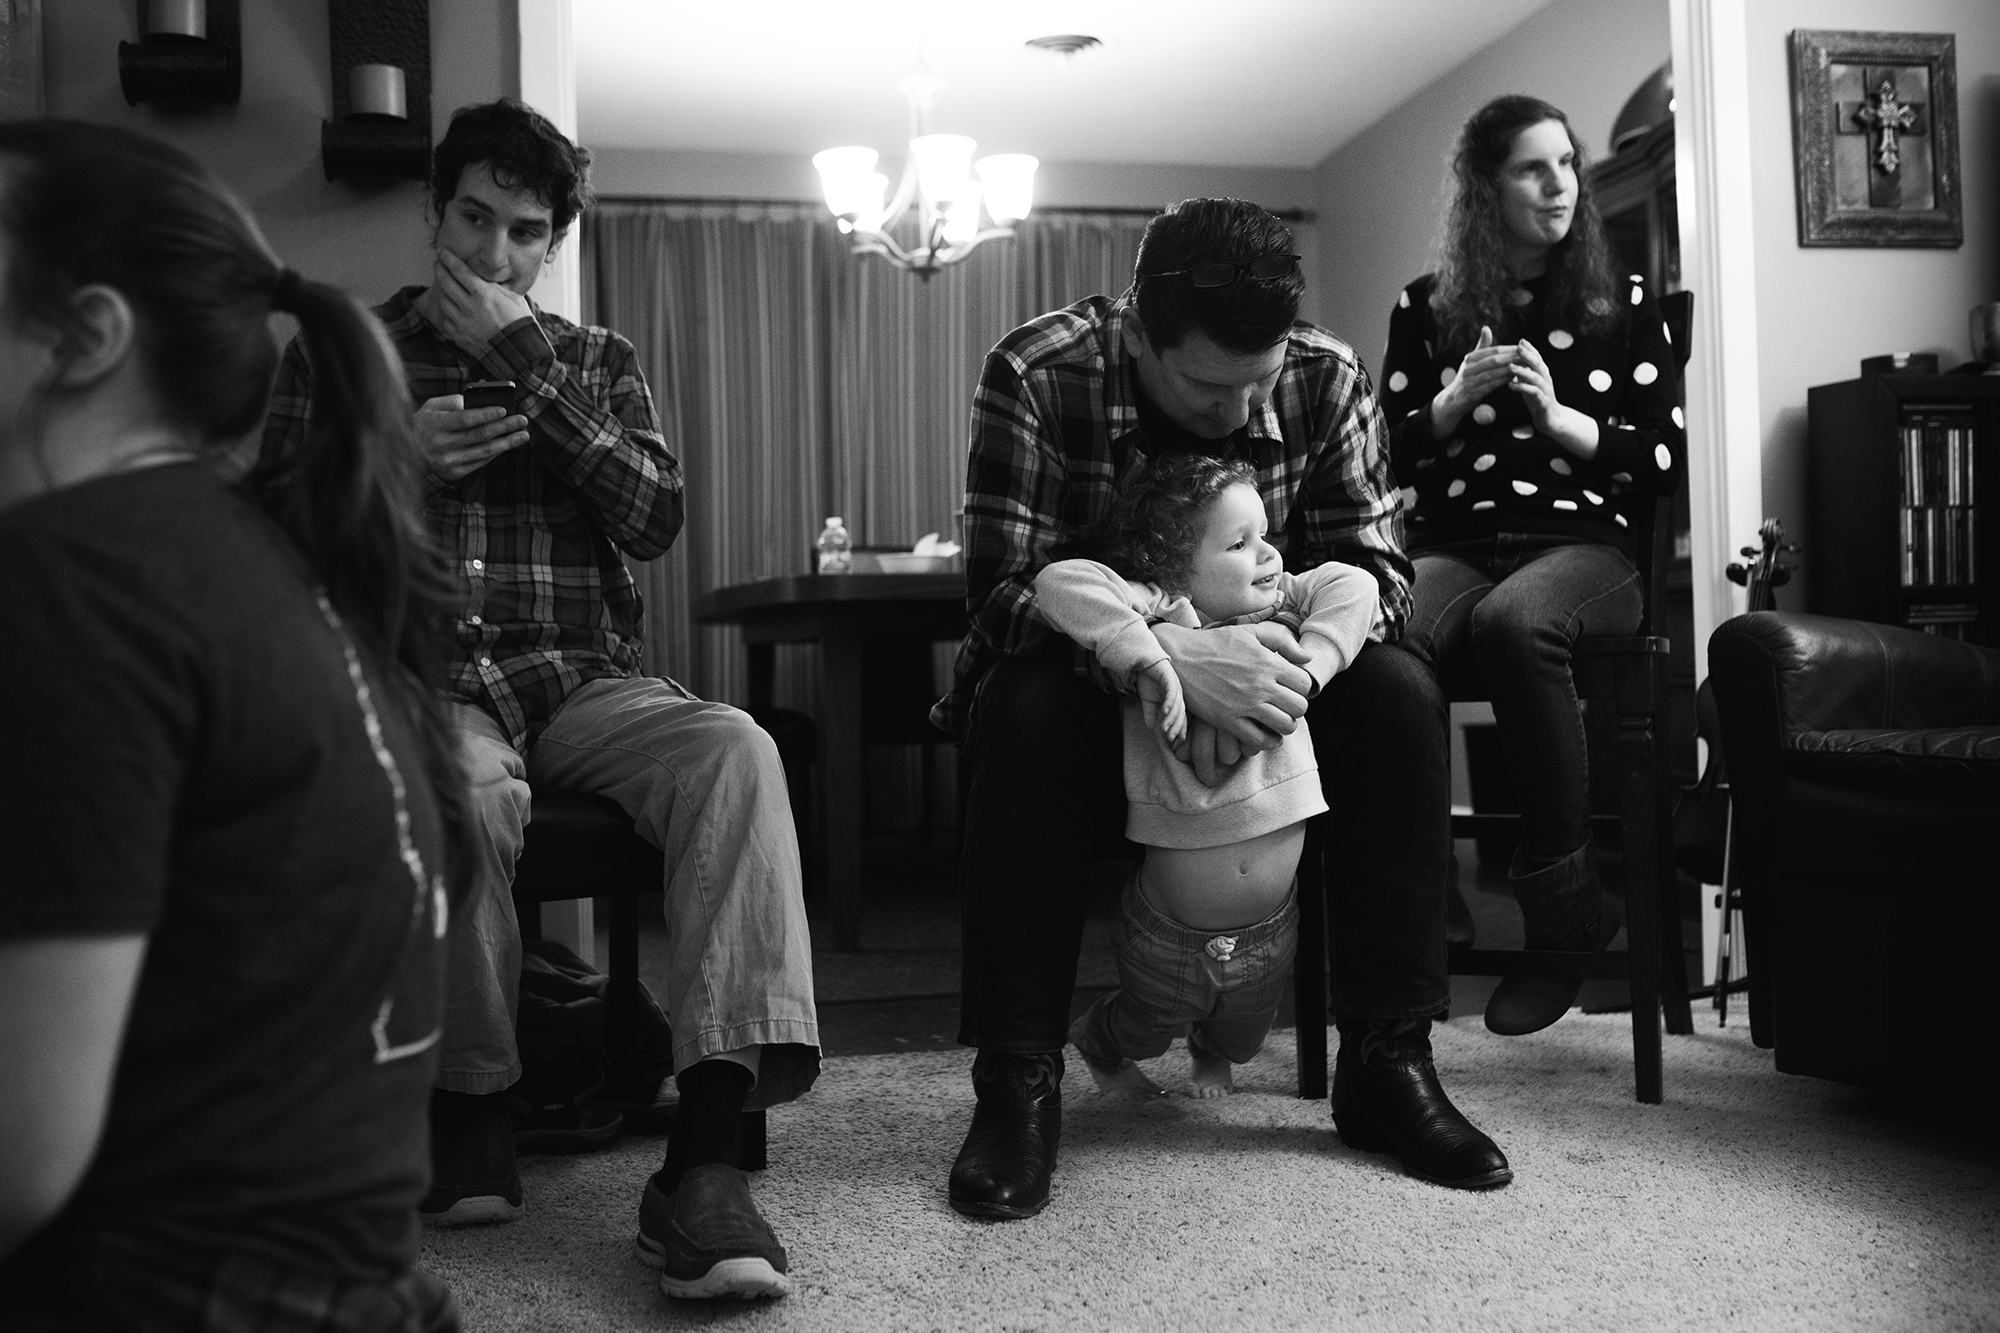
{"x":1161,"y":702}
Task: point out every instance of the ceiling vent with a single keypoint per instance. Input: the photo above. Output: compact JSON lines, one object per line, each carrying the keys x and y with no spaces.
{"x":1064,"y":43}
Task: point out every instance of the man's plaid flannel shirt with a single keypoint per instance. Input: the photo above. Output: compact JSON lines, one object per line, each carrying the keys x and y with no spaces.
{"x":1055,"y":429}
{"x":535,"y":535}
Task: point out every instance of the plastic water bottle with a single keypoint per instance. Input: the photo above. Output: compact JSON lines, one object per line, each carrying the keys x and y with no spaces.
{"x":836,"y":550}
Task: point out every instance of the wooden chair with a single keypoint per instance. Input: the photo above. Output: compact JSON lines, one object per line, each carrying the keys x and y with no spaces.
{"x":580,"y":845}
{"x":897,"y":692}
{"x":1629,"y":675}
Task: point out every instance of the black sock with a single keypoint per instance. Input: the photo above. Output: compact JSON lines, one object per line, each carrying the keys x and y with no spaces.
{"x":708,"y":1125}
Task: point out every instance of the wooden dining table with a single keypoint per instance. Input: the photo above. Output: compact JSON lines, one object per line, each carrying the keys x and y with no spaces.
{"x":839,"y":612}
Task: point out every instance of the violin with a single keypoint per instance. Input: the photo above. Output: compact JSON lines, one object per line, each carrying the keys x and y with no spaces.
{"x":1767,"y":570}
{"x":1701,"y":818}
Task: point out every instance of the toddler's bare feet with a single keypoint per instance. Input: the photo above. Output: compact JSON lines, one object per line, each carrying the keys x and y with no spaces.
{"x":1211,"y":1076}
{"x":1122,"y":1081}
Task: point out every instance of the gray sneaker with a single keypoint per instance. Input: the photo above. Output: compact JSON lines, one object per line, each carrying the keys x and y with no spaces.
{"x":708,"y":1239}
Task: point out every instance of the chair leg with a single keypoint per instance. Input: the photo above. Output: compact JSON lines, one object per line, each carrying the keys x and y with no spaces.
{"x":622,"y":1039}
{"x":1666,"y":878}
{"x":1642,"y":833}
{"x":925,"y":803}
{"x":1309,"y":968}
{"x":623,"y":1029}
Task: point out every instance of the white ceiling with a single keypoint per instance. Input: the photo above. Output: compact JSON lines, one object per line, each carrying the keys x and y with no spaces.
{"x":1254,"y":83}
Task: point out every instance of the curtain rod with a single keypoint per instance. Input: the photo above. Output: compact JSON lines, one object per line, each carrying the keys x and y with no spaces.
{"x":1303,"y":215}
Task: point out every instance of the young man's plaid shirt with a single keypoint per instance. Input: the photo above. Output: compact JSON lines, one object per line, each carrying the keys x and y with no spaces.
{"x":534,"y":535}
{"x":1055,"y":428}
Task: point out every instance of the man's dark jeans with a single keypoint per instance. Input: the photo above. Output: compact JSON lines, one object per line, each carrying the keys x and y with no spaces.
{"x":1048,"y":796}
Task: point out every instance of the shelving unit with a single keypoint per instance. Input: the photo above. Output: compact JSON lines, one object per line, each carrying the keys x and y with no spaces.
{"x":1900,"y":467}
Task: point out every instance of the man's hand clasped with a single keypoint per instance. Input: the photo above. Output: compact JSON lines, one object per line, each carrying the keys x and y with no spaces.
{"x":1161,"y":703}
{"x":1245,"y":688}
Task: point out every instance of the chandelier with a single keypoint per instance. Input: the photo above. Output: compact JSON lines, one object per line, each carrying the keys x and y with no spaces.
{"x":938,"y":183}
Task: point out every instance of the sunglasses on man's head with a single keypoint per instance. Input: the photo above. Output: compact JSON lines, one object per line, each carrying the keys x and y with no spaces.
{"x":1225,"y":273}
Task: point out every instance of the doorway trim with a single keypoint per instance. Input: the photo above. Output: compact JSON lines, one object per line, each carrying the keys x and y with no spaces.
{"x":1718,"y":263}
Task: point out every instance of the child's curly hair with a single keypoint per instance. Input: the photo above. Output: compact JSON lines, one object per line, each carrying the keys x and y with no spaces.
{"x":1157,"y":520}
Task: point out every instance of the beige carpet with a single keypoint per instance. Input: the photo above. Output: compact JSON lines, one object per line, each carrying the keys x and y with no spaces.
{"x":1750,"y":1200}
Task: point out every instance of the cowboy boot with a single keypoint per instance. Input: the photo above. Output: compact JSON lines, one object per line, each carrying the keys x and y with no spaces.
{"x":1386,"y":1098}
{"x":1003,"y":1168}
{"x":1563,"y":908}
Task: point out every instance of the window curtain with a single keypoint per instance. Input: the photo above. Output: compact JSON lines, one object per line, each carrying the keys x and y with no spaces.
{"x":795,"y":381}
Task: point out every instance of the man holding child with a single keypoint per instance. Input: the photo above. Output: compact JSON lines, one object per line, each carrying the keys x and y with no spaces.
{"x":1204,"y":355}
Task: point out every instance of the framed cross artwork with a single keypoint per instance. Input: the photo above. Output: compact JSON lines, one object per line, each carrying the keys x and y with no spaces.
{"x":1875,"y":138}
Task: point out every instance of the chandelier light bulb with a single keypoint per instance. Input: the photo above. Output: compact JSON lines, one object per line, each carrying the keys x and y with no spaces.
{"x":944,"y":165}
{"x":848,"y":177}
{"x":874,"y":198}
{"x":961,"y":214}
{"x":1009,"y":179}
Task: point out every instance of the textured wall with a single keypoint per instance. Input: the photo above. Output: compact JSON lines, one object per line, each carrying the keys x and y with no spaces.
{"x":371,"y":239}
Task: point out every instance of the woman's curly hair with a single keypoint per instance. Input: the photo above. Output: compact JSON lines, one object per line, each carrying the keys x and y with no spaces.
{"x":1157,"y":521}
{"x":1473,"y":276}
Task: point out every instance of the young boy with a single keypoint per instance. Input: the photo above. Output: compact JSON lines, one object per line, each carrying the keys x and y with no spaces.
{"x":1209,"y":925}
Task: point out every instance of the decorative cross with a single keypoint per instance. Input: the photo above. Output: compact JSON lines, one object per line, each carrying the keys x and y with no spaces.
{"x":1886,"y":118}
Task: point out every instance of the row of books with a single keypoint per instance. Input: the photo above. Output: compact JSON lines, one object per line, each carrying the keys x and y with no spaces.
{"x":1939,"y":546}
{"x":1937,"y":456}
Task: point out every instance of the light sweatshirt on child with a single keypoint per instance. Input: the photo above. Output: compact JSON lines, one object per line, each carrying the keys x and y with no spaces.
{"x":1331,"y":608}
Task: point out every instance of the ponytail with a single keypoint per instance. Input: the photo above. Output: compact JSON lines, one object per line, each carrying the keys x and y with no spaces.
{"x":351,"y":499}
{"x":350,"y":496}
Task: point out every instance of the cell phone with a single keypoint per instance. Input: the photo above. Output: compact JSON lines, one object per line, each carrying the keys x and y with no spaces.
{"x":489,"y":393}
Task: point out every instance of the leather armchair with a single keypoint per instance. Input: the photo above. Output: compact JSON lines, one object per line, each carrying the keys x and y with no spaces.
{"x":1864,"y":767}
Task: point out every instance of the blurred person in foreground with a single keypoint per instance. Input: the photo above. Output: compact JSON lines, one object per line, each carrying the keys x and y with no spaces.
{"x":230,"y":801}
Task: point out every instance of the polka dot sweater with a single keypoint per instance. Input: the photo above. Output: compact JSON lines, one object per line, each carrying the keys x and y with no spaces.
{"x":1496,"y":473}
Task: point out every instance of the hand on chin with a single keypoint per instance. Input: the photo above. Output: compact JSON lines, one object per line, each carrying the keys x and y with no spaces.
{"x":468,"y":309}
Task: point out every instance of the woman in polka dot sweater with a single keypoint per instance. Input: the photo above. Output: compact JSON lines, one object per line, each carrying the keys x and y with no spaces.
{"x":1532,"y":393}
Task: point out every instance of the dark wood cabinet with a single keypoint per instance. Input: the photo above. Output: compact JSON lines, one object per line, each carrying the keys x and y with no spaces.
{"x":1635,"y":197}
{"x":1634,"y":190}
{"x":1901,"y":471}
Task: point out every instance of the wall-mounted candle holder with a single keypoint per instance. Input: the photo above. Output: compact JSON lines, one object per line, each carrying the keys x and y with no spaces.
{"x":190,"y":54}
{"x":381,"y":126}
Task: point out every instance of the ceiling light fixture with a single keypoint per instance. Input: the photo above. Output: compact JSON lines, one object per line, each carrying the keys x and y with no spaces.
{"x":937,"y":182}
{"x":1064,"y":43}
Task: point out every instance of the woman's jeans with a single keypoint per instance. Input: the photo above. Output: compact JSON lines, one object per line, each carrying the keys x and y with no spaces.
{"x":1048,"y":796}
{"x":1508,"y":608}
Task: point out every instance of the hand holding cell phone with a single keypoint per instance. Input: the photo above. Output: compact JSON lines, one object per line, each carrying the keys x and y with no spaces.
{"x":459,"y":433}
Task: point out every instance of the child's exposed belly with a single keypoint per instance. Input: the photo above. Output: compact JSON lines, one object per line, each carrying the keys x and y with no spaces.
{"x":1223,"y":888}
